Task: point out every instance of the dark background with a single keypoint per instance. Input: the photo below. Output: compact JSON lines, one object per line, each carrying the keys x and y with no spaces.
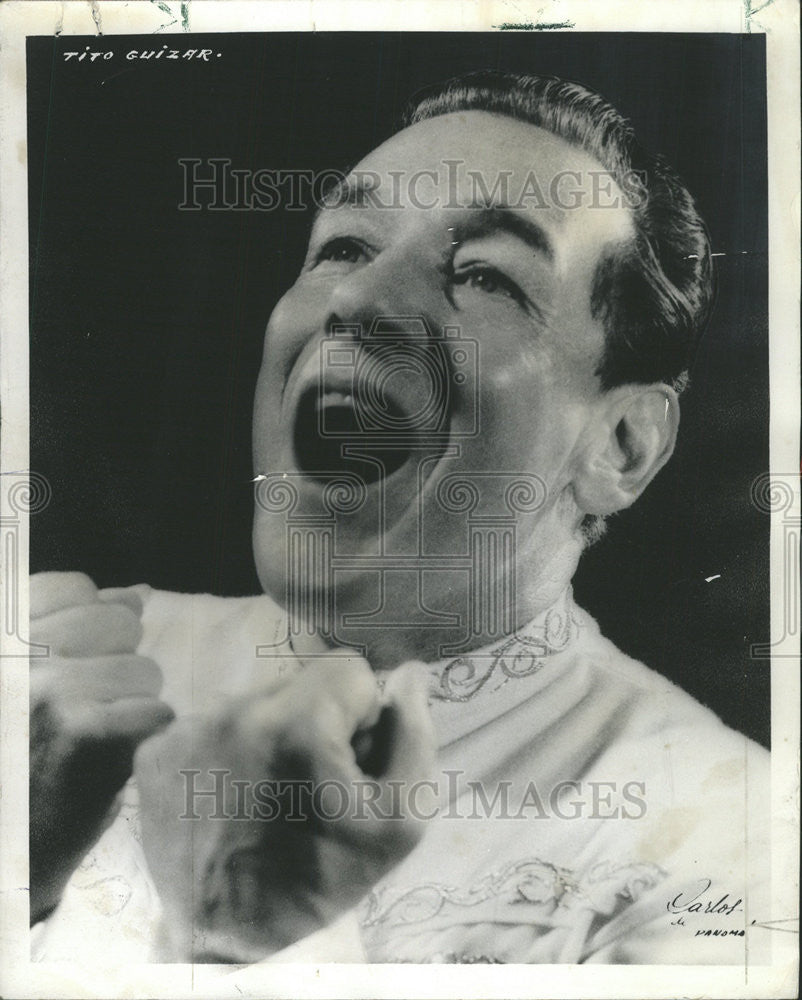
{"x":147,"y":323}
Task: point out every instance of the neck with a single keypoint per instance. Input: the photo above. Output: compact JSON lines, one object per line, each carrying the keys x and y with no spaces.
{"x":539,"y":585}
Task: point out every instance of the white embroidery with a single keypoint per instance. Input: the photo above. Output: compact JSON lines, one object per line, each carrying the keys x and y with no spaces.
{"x":520,"y":655}
{"x":528,"y":892}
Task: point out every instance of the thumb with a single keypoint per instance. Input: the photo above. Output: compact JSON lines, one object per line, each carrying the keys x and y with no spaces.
{"x":413,"y":745}
{"x":122,"y":595}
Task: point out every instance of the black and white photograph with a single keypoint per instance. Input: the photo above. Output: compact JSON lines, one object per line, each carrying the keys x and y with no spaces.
{"x":401,"y":538}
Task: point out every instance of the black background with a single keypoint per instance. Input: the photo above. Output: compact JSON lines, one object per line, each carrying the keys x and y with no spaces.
{"x":147,"y":322}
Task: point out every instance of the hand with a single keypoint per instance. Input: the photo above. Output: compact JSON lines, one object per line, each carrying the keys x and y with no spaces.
{"x":92,"y":701}
{"x":246,"y":866}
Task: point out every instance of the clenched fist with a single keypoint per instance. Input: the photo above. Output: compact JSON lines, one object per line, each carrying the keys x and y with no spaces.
{"x":92,"y":701}
{"x":265,"y":821}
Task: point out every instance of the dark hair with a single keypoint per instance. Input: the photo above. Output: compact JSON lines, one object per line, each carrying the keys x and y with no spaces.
{"x":653,"y":293}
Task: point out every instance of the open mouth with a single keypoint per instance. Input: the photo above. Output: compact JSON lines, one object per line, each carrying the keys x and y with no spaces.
{"x":330,"y":437}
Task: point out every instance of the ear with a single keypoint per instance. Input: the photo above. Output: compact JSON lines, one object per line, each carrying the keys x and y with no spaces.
{"x":628,"y":443}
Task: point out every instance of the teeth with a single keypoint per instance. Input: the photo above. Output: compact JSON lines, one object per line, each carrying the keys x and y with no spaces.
{"x":334,"y":398}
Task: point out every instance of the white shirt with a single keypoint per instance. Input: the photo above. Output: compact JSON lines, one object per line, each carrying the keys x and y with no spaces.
{"x":591,"y":811}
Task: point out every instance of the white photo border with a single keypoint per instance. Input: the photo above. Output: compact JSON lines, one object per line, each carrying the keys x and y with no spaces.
{"x":779,"y":21}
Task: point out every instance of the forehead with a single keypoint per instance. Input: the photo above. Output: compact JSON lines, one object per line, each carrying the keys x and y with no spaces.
{"x":465,"y":159}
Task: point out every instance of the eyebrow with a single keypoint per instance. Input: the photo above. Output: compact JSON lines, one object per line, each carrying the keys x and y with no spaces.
{"x":479,"y":218}
{"x":484,"y":220}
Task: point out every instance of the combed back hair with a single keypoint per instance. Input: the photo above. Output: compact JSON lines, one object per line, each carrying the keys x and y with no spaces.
{"x":652,"y":292}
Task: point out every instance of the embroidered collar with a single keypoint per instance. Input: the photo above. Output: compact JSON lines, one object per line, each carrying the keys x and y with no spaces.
{"x":521,"y":654}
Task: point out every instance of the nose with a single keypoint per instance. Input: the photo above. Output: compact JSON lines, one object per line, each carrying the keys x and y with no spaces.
{"x":394,"y":292}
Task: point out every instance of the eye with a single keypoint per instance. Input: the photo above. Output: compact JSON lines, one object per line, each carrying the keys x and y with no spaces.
{"x":489,"y":280}
{"x":340,"y":250}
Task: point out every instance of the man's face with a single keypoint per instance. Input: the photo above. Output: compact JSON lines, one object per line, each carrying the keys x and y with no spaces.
{"x":481,"y":369}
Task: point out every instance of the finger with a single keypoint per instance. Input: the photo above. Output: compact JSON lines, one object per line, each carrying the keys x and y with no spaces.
{"x":92,"y":630}
{"x":313,"y":716}
{"x":51,"y":592}
{"x":343,"y":676}
{"x":342,"y":691}
{"x":413,"y":744}
{"x":400,"y":761}
{"x":129,"y":720}
{"x":122,"y":595}
{"x":104,"y":678}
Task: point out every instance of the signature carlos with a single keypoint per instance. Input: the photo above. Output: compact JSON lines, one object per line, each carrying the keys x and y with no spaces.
{"x":705,"y":901}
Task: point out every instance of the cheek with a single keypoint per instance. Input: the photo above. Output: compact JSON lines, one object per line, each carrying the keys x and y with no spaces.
{"x":514,"y":374}
{"x":294,"y":319}
{"x":283,"y":341}
{"x":579,"y":346}
{"x":530,"y":408}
